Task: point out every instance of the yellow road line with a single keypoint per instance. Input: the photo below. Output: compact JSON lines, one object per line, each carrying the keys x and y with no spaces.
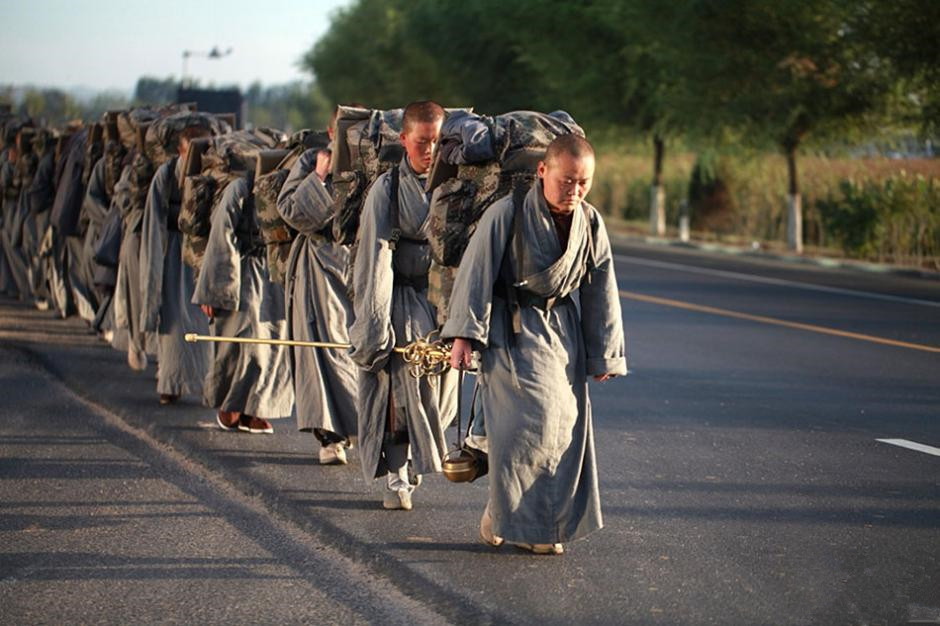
{"x":776,"y":322}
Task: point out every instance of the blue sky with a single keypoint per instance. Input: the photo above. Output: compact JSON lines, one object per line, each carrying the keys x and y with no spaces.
{"x":106,"y":44}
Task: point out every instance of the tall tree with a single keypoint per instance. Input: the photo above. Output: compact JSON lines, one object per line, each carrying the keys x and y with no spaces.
{"x":778,"y":71}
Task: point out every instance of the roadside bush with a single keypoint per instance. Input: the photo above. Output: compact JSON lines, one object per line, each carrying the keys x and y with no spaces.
{"x":896,"y":219}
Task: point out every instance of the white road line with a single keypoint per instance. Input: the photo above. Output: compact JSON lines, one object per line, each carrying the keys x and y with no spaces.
{"x":772,"y":281}
{"x":912,"y":445}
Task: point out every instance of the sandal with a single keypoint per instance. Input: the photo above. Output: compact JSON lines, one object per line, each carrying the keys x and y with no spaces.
{"x":542,"y":548}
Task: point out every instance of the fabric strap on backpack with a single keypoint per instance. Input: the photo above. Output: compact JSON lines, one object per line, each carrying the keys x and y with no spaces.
{"x":393,"y":208}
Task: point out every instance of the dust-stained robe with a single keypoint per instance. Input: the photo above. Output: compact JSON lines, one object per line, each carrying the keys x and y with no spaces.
{"x":166,"y":290}
{"x":318,"y":305}
{"x":392,"y":309}
{"x":233,"y":279}
{"x":533,"y":384}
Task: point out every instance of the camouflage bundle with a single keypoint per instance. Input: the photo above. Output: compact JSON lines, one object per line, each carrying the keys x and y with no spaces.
{"x":212,"y":165}
{"x":277,"y":234}
{"x":131,"y":125}
{"x":367,"y":144}
{"x":478,"y":161}
{"x":161,"y":141}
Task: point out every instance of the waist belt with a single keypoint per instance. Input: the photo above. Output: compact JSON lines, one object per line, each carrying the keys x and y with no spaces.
{"x":418,"y":283}
{"x":527,"y":298}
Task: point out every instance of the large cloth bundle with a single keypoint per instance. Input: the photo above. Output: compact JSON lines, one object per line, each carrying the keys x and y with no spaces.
{"x":161,"y":141}
{"x":211,"y":165}
{"x":480,"y":159}
{"x":272,"y":171}
{"x":367,"y":144}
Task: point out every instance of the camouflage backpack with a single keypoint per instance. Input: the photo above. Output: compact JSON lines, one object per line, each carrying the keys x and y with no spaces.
{"x":479,"y":160}
{"x":161,"y":141}
{"x":210,"y":166}
{"x":367,"y":144}
{"x":272,"y":171}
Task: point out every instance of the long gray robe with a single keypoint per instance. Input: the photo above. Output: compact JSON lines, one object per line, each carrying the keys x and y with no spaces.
{"x":126,"y":300}
{"x":166,"y":290}
{"x":14,"y":279}
{"x":38,"y":198}
{"x":389,"y":315}
{"x":95,"y":207}
{"x":318,"y":307}
{"x":533,"y":385}
{"x":250,"y":379}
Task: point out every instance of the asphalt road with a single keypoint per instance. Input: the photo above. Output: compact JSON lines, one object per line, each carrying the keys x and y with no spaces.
{"x":742,"y":477}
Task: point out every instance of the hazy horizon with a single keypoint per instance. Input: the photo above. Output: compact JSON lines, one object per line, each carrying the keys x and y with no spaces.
{"x":74,"y":45}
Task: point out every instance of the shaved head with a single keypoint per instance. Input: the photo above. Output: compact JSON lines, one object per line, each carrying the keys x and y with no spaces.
{"x":573,"y":145}
{"x":422,"y":111}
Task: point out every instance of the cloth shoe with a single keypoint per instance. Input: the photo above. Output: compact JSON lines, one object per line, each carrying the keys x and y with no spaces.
{"x":254,"y":425}
{"x":168,"y":398}
{"x":400,"y":499}
{"x":333,"y":454}
{"x":227,"y":420}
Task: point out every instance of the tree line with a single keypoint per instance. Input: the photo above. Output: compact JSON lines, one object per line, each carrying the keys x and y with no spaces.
{"x":777,"y":74}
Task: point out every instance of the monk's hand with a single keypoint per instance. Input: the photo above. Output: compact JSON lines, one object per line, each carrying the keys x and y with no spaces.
{"x":461,"y":354}
{"x":603,"y":378}
{"x":208,"y":310}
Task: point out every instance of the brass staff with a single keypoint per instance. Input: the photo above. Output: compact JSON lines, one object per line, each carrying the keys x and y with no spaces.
{"x":423,"y":356}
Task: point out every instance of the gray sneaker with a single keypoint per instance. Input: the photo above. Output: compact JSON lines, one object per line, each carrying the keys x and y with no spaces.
{"x":395,"y":500}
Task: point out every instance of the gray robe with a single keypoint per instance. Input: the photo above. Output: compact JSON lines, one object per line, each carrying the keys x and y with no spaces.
{"x":389,"y":315}
{"x":250,"y":379}
{"x":533,"y":385}
{"x":318,"y":307}
{"x":38,"y":199}
{"x":14,"y":278}
{"x":95,"y":207}
{"x":166,"y":290}
{"x":126,"y":300}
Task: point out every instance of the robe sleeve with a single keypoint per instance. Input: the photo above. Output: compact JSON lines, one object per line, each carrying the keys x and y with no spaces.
{"x":219,"y":283}
{"x":153,"y":242}
{"x":304,"y":202}
{"x":471,"y":303}
{"x":96,"y":203}
{"x":371,"y":334}
{"x":601,"y":321}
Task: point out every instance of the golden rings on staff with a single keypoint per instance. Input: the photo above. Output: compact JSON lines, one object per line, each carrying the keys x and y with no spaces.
{"x":425,"y":357}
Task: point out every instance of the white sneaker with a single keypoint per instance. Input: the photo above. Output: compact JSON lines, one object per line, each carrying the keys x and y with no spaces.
{"x":107,"y":336}
{"x":42,"y":305}
{"x":400,"y":499}
{"x":333,"y":454}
